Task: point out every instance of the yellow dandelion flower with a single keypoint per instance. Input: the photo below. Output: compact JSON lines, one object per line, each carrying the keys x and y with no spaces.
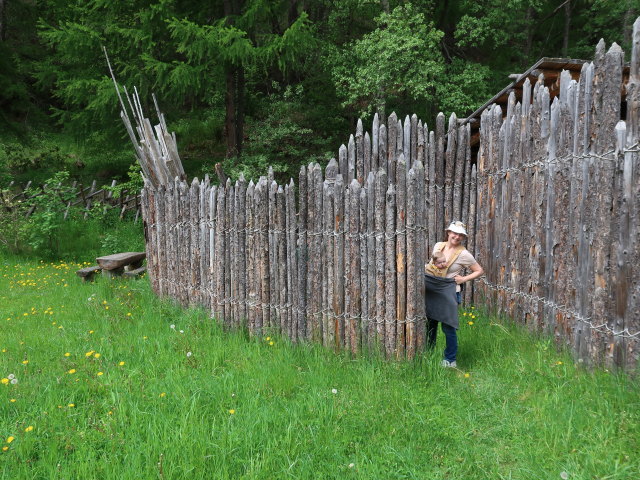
{"x":60,"y":327}
{"x":100,"y":374}
{"x":29,"y":428}
{"x":89,"y":353}
{"x":25,"y":362}
{"x":90,"y":332}
{"x":232,"y":412}
{"x":67,"y":354}
{"x":72,"y":371}
{"x":128,"y":314}
{"x":96,"y":355}
{"x":163,"y":394}
{"x":467,"y":375}
{"x":109,"y":412}
{"x":71,"y":405}
{"x":10,"y":439}
{"x":271,"y":343}
{"x":470,"y":323}
{"x":5,"y":448}
{"x":4,"y":350}
{"x":268,"y":338}
{"x":53,"y":323}
{"x":464,"y":314}
{"x":4,"y":381}
{"x":121,"y":364}
{"x":558,"y":363}
{"x":13,"y":400}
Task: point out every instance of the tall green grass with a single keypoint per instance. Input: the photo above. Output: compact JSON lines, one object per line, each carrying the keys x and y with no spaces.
{"x":179,"y":397}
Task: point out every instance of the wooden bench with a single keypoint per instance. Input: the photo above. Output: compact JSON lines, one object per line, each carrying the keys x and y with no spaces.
{"x":116,"y":264}
{"x":136,"y":273}
{"x":87,"y":273}
{"x":127,"y":263}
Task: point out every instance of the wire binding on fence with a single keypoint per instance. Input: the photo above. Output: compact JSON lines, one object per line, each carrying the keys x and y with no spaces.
{"x":564,"y":310}
{"x":301,"y":311}
{"x":319,"y":233}
{"x":611,"y":155}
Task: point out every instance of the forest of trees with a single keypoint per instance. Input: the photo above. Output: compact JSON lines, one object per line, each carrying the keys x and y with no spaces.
{"x":251,"y":83}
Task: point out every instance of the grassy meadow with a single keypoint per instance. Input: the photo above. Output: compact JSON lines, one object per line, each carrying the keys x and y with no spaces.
{"x":105,"y":381}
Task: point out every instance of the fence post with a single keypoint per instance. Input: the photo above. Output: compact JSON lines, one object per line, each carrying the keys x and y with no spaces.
{"x":387,"y":336}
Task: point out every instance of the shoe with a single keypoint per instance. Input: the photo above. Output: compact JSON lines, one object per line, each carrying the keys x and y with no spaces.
{"x":448,"y":364}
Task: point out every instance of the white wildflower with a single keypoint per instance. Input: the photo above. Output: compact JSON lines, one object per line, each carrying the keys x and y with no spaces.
{"x":334,"y":390}
{"x":189,"y":354}
{"x":172,"y":326}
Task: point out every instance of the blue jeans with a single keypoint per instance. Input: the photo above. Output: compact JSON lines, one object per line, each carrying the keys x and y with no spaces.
{"x":450,"y":335}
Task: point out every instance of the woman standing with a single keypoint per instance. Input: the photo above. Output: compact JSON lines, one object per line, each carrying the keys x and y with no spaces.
{"x":439,"y":292}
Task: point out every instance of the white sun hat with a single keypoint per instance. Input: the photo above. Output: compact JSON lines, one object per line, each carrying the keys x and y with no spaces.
{"x":457,"y":227}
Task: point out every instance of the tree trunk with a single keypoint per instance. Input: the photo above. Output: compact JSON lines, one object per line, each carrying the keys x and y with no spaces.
{"x":567,"y":28}
{"x":240,"y":101}
{"x":234,"y":97}
{"x":530,"y":29}
{"x":630,"y":15}
{"x":230,"y":114}
{"x":3,"y":8}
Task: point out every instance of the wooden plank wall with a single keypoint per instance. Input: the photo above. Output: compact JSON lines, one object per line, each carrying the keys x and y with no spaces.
{"x":336,"y":259}
{"x":557,"y":219}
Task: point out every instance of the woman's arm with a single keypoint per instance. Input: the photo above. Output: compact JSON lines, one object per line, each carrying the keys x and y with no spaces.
{"x":476,"y":271}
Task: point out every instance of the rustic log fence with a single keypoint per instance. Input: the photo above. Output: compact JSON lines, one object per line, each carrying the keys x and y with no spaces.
{"x":558,"y":199}
{"x":83,"y":196}
{"x":338,"y":258}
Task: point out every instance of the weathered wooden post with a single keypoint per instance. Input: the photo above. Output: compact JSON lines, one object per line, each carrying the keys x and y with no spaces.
{"x":388,"y":336}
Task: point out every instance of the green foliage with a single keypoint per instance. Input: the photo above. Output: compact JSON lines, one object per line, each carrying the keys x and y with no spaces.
{"x":397,"y":61}
{"x":611,"y":21}
{"x":351,"y":57}
{"x":19,"y":159}
{"x":132,"y":186}
{"x":19,"y":101}
{"x":281,"y":135}
{"x":466,"y":89}
{"x":36,"y":158}
{"x":40,"y":230}
{"x":495,"y":24}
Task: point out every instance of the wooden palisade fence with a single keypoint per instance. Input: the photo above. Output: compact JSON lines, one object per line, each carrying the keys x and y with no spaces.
{"x":338,"y":258}
{"x":558,"y":201}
